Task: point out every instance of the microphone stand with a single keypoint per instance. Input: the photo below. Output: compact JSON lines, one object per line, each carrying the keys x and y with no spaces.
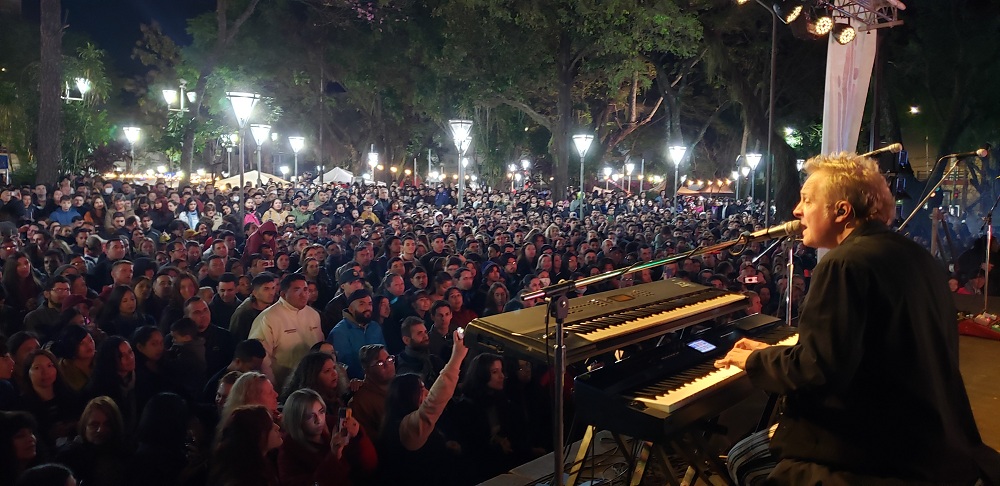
{"x":988,"y":224}
{"x":558,"y":307}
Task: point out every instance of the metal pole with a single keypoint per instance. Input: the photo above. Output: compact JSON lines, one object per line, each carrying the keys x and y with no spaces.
{"x":770,"y":119}
{"x":677,"y":170}
{"x":581,"y":173}
{"x":461,"y":180}
{"x":258,"y":165}
{"x":642,"y":173}
{"x":296,"y":173}
{"x":753,"y":190}
{"x":243,"y":191}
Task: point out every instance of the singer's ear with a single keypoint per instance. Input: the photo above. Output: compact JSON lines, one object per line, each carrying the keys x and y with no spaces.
{"x":843,"y":208}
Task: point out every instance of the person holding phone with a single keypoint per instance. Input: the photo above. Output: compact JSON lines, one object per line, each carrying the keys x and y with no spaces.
{"x":412,"y":448}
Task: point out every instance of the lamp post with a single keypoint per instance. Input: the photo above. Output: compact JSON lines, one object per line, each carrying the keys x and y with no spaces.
{"x":677,"y":153}
{"x":526,"y":167}
{"x":284,"y":171}
{"x":259,"y":132}
{"x":511,"y":170}
{"x":607,"y":178}
{"x":629,"y":167}
{"x":582,"y":143}
{"x":132,"y":135}
{"x":461,"y":131}
{"x":171,"y":97}
{"x":745,"y":171}
{"x":372,"y":161}
{"x":229,"y":140}
{"x":243,"y":104}
{"x":736,"y":177}
{"x":752,"y":161}
{"x":296,"y":143}
{"x":642,"y":172}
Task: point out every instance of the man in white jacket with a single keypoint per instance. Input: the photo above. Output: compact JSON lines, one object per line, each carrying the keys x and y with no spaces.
{"x":287,"y":329}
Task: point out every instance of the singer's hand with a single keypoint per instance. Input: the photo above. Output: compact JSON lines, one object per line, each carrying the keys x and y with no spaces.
{"x":736,"y":357}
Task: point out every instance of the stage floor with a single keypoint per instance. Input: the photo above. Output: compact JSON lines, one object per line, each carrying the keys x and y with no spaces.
{"x":980,"y":363}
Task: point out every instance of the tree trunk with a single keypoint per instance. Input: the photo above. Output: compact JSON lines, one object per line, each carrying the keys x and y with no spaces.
{"x":560,"y":136}
{"x":50,"y":86}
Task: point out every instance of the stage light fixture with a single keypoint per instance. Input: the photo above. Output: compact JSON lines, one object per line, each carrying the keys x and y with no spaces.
{"x":820,"y":26}
{"x":843,"y":33}
{"x":788,"y":10}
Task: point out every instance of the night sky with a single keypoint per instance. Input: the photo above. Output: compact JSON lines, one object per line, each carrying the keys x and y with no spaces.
{"x":114,"y":24}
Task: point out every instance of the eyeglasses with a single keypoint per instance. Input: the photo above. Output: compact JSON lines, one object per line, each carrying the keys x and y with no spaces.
{"x":383,"y":362}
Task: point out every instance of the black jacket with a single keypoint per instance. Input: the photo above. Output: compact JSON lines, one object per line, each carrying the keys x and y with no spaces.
{"x":873,"y":386}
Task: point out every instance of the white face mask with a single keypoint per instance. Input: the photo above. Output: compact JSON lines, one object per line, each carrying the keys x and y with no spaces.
{"x":544,"y":281}
{"x":108,"y":190}
{"x":235,"y":198}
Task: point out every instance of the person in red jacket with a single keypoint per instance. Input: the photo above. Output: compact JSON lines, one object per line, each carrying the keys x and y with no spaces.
{"x":317,"y":453}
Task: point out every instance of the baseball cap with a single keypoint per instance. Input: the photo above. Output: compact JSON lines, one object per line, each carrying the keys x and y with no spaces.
{"x":348,"y":277}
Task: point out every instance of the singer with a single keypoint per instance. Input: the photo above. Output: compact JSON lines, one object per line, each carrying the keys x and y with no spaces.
{"x":873,"y":390}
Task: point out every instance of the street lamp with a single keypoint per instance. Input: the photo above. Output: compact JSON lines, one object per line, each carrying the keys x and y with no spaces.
{"x":171,"y":97}
{"x":677,"y":153}
{"x":752,"y":161}
{"x":243,"y":104}
{"x":296,"y":143}
{"x":372,"y":161}
{"x":259,"y":132}
{"x":607,"y":178}
{"x":284,"y":171}
{"x":736,"y":177}
{"x":229,"y":140}
{"x":461,"y":131}
{"x":132,"y":135}
{"x":82,"y":85}
{"x":582,"y":143}
{"x":511,"y":170}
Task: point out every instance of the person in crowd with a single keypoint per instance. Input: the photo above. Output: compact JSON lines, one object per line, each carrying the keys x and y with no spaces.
{"x":22,"y":285}
{"x":460,"y":315}
{"x":248,"y":356}
{"x":251,"y":388}
{"x":441,"y":329}
{"x":264,"y":292}
{"x":44,"y":319}
{"x":493,"y":435}
{"x":355,"y":330}
{"x":50,"y":401}
{"x":150,"y":378}
{"x":219,"y":342}
{"x":20,"y":345}
{"x":121,"y":314}
{"x":416,"y":356}
{"x":248,"y":434}
{"x":185,"y":286}
{"x":19,"y":445}
{"x":8,"y":391}
{"x":319,"y":372}
{"x":184,"y":360}
{"x":114,"y":377}
{"x":316,"y":451}
{"x":496,"y":299}
{"x":410,"y":436}
{"x":165,"y":454}
{"x":47,"y":475}
{"x":76,"y":350}
{"x":99,"y":454}
{"x":287,"y":329}
{"x":225,"y":302}
{"x":348,"y":281}
{"x":368,"y":403}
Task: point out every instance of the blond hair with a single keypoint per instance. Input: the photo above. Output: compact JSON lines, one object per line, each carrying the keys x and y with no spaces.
{"x":857,"y":180}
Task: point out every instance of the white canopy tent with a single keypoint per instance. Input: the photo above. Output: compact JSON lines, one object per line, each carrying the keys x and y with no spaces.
{"x":250,"y":177}
{"x":338,"y":175}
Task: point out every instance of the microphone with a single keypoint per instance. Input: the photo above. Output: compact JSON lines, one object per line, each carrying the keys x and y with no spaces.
{"x":894,"y":148}
{"x":790,"y":228}
{"x":983,"y":152}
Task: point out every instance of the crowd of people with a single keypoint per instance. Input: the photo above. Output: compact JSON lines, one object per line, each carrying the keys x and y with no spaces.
{"x":158,"y":335}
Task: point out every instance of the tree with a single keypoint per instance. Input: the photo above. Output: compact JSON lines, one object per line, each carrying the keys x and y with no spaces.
{"x":49,"y":87}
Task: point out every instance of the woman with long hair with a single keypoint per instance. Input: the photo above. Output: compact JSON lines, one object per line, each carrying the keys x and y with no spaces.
{"x":98,"y":211}
{"x":380,"y":309}
{"x":493,"y":436}
{"x":160,"y":214}
{"x":99,"y":453}
{"x":48,"y":399}
{"x":275,"y":214}
{"x":121,"y":316}
{"x":251,"y":388}
{"x":19,"y":449}
{"x":496,"y":298}
{"x":114,"y":376}
{"x":318,"y":452}
{"x":460,"y":314}
{"x":317,"y":371}
{"x":143,"y":288}
{"x":241,"y":456}
{"x":185,"y":286}
{"x":412,"y":449}
{"x":21,"y":284}
{"x":190,"y":215}
{"x":76,"y":350}
{"x":20,"y":345}
{"x":148,"y":349}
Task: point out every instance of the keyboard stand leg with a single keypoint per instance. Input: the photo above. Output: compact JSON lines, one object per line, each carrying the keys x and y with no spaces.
{"x":693,"y":459}
{"x":715,"y":465}
{"x":639,"y":462}
{"x":671,"y":472}
{"x":581,"y":455}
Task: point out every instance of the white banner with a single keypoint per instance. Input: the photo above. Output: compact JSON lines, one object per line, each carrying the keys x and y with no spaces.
{"x":848,"y":74}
